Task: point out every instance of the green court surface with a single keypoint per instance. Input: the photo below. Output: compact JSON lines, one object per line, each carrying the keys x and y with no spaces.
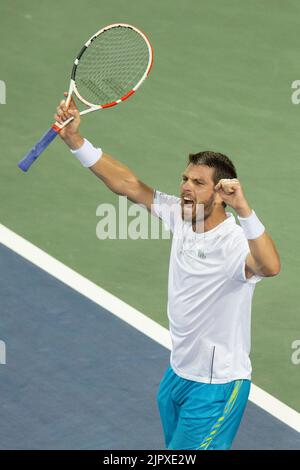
{"x":221,"y":80}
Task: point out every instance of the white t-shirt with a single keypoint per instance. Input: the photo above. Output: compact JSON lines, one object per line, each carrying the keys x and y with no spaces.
{"x":209,"y":297}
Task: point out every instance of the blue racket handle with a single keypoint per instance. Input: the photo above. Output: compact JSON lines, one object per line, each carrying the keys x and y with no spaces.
{"x":42,"y":144}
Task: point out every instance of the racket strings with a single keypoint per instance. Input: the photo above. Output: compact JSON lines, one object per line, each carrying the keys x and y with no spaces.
{"x":112,"y":65}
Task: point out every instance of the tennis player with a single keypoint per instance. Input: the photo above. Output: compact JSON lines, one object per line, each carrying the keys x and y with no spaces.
{"x":212,"y":275}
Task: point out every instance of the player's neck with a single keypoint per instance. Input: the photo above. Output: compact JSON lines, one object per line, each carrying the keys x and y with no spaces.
{"x":215,"y":218}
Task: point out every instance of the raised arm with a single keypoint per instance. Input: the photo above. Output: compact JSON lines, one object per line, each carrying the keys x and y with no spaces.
{"x":116,"y":176}
{"x":263,"y":258}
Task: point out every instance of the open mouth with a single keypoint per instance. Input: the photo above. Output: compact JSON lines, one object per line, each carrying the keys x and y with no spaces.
{"x":188,"y":202}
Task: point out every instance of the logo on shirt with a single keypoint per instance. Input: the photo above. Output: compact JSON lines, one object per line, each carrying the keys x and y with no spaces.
{"x":194,"y":252}
{"x":201,"y":254}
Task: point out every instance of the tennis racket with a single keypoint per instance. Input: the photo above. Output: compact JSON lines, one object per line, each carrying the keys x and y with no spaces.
{"x":109,"y":68}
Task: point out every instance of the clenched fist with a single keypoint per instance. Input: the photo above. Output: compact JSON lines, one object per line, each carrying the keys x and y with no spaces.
{"x":232,"y":194}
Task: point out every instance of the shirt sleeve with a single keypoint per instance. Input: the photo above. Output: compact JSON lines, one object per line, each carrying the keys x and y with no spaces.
{"x":235,"y":260}
{"x":167,"y":208}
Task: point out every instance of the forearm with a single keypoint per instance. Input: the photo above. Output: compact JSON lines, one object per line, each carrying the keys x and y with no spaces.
{"x":116,"y":176}
{"x":265,"y":256}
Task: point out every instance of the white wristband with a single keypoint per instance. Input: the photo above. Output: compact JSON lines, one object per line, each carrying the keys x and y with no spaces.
{"x":252,"y":226}
{"x":87,"y":154}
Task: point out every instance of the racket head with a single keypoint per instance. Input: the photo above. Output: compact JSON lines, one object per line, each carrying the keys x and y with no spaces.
{"x":111,"y":65}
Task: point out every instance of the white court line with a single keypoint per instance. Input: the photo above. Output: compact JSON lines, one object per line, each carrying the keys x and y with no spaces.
{"x":128,"y":314}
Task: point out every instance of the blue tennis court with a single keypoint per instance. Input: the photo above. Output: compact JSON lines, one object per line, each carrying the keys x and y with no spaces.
{"x":77,"y":377}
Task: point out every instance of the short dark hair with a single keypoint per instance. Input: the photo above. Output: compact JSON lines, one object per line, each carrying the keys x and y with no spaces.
{"x":224,"y":168}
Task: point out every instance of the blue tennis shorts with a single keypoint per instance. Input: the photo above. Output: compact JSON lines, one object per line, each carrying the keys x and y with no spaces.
{"x":200,"y":416}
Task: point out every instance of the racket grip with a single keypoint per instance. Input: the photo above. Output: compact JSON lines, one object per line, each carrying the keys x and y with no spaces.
{"x":39,"y":147}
